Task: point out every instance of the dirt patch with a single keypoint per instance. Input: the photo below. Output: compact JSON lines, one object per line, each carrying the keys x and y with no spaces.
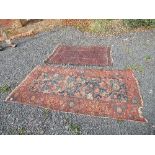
{"x":103,"y":27}
{"x":31,"y":28}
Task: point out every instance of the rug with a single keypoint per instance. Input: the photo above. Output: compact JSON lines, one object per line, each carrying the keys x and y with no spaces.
{"x":77,"y":55}
{"x":113,"y":94}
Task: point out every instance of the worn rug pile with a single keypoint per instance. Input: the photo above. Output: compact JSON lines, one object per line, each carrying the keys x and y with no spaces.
{"x":75,"y":55}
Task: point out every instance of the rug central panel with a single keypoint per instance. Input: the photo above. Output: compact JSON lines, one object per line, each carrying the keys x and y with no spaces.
{"x":92,"y":55}
{"x":79,"y":86}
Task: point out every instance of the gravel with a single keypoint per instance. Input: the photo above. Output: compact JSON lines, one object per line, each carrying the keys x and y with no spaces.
{"x":127,"y":50}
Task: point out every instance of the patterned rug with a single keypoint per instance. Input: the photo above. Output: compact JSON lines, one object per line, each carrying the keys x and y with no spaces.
{"x":112,"y":94}
{"x":76,"y":55}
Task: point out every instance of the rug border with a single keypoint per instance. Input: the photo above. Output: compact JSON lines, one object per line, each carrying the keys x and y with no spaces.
{"x":141,"y":97}
{"x":109,"y":117}
{"x":26,"y":77}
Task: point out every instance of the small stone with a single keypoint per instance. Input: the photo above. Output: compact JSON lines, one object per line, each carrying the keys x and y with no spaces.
{"x":125,"y":39}
{"x":150,"y":91}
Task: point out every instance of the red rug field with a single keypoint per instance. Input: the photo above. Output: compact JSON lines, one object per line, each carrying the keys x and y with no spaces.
{"x":113,"y":94}
{"x":77,"y":55}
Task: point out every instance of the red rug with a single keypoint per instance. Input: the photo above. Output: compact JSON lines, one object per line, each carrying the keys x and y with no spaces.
{"x":112,"y":94}
{"x":76,"y":55}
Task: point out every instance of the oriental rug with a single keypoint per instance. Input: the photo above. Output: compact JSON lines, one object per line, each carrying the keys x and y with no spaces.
{"x":113,"y":94}
{"x":78,"y":55}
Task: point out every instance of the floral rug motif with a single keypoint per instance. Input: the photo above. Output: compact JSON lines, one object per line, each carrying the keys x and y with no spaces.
{"x":77,"y":55}
{"x":112,"y":93}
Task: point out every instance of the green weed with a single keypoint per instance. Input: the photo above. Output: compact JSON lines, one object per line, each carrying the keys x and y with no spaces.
{"x":4,"y":88}
{"x":147,"y":58}
{"x":135,"y":23}
{"x":100,"y":26}
{"x":22,"y":131}
{"x":46,"y":112}
{"x":75,"y":129}
{"x":136,"y":67}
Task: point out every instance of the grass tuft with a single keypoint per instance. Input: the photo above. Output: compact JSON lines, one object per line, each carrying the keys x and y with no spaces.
{"x":147,"y":58}
{"x":75,"y":129}
{"x":22,"y":131}
{"x":136,"y":67}
{"x":136,"y":23}
{"x":5,"y":89}
{"x":46,"y":112}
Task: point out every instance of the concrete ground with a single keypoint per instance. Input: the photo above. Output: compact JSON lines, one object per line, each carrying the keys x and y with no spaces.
{"x":134,"y":50}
